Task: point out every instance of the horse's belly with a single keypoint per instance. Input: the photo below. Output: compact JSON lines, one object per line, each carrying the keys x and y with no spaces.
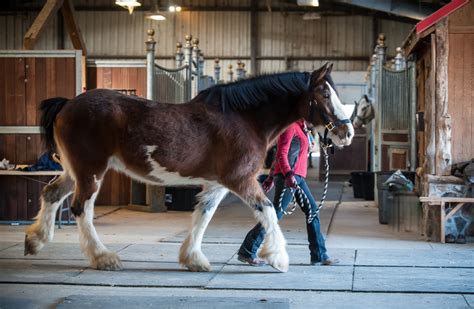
{"x":158,"y":175}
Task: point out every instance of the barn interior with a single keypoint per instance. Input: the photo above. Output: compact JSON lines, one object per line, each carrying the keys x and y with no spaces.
{"x":397,"y":214}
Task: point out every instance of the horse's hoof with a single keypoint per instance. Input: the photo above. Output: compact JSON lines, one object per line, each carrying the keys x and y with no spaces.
{"x":199,"y":268}
{"x":32,"y":244}
{"x":278,"y":261}
{"x":195,"y":262}
{"x":107,"y":261}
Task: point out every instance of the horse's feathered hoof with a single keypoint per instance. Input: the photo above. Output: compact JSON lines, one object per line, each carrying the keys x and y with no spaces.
{"x":199,"y":268}
{"x":279,"y":261}
{"x":107,"y":261}
{"x":32,"y":245}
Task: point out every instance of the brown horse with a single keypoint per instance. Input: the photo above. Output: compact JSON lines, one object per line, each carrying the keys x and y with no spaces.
{"x":219,"y":140}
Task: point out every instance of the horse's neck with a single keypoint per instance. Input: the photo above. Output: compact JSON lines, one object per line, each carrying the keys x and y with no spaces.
{"x":272,"y":120}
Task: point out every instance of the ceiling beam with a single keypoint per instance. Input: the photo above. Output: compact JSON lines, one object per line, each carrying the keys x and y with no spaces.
{"x":72,"y":27}
{"x":33,"y":33}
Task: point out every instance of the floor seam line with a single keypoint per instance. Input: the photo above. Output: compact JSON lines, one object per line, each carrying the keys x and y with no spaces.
{"x":467,"y":303}
{"x":353,"y":270}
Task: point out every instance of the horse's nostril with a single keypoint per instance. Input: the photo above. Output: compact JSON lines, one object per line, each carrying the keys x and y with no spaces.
{"x":349,"y":134}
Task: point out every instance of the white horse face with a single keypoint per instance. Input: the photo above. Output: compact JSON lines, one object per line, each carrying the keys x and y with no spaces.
{"x":363,"y":112}
{"x":326,"y":110}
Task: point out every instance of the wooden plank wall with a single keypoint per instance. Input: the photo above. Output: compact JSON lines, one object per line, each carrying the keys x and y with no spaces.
{"x":116,"y":187}
{"x":350,"y":158}
{"x":461,"y":82}
{"x":24,"y":83}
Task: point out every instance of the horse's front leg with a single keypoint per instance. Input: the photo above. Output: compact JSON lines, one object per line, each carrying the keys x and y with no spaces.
{"x":190,"y":254}
{"x":274,"y":246}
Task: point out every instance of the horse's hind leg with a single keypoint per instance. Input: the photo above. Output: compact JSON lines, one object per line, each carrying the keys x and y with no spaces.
{"x":190,"y":254}
{"x":87,"y":189}
{"x":274,"y":246}
{"x":52,"y":197}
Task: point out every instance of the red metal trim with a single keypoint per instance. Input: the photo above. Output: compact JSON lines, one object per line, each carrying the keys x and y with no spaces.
{"x":439,"y":14}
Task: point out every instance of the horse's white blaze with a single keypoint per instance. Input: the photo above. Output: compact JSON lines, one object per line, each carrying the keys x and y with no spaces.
{"x":340,"y":114}
{"x":161,"y":175}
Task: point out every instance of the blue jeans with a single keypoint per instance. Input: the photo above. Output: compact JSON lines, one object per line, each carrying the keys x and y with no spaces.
{"x":255,"y":236}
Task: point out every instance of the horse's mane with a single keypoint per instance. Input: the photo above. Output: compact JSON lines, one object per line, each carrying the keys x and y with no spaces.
{"x":253,"y":92}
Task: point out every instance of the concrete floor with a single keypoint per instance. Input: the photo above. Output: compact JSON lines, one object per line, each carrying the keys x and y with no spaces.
{"x":378,"y":268}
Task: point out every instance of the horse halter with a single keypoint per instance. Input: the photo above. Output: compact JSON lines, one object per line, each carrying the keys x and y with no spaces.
{"x":329,"y":125}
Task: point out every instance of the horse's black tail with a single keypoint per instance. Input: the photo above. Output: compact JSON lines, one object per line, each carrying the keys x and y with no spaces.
{"x":50,"y":108}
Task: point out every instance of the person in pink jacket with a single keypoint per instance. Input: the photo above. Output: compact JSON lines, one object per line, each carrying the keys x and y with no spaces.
{"x":290,"y":169}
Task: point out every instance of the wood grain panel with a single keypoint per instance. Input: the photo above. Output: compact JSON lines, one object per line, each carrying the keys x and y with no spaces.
{"x":20,"y":89}
{"x":24,"y":83}
{"x":3,"y":93}
{"x":394,"y":137}
{"x":461,"y":95}
{"x":350,"y":158}
{"x":31,"y":97}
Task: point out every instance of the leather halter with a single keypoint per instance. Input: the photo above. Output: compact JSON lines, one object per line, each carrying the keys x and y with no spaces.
{"x":329,"y":125}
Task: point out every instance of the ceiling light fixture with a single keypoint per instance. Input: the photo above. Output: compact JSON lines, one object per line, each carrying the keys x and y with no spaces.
{"x":130,"y":5}
{"x":155,"y":13}
{"x":175,"y":8}
{"x":308,"y":2}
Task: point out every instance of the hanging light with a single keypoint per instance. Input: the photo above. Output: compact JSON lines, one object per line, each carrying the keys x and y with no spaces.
{"x":130,"y":5}
{"x":155,"y":13}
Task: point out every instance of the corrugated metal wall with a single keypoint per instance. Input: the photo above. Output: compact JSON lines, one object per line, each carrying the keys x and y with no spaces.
{"x":286,"y":41}
{"x":13,"y":28}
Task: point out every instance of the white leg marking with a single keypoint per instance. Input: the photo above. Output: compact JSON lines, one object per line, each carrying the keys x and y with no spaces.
{"x":42,"y":230}
{"x":274,"y":247}
{"x":190,"y":254}
{"x":100,"y":256}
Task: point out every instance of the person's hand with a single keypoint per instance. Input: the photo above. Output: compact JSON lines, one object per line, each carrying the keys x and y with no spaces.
{"x":290,"y":180}
{"x":267,"y":184}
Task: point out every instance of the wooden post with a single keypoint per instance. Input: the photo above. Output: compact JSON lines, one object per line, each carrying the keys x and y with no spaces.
{"x":33,"y":33}
{"x":429,"y":116}
{"x":443,"y":119}
{"x":72,"y":27}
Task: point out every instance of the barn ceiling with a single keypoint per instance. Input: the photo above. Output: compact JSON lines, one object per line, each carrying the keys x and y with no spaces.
{"x":389,"y":9}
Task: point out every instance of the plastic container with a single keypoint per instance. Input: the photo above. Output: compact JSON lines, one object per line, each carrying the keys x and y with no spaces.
{"x":363,"y":185}
{"x":405,"y":211}
{"x":385,"y":206}
{"x":383,"y":194}
{"x":357,"y":180}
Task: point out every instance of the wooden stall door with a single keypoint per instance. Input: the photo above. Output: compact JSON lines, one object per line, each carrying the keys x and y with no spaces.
{"x":348,"y":159}
{"x":24,"y":83}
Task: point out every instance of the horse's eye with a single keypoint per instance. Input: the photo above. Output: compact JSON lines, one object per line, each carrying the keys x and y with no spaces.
{"x":326,"y":94}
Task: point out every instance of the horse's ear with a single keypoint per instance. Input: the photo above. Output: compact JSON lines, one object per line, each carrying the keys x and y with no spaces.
{"x":366,"y":98}
{"x":319,"y":74}
{"x":355,"y":102}
{"x":329,"y":68}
